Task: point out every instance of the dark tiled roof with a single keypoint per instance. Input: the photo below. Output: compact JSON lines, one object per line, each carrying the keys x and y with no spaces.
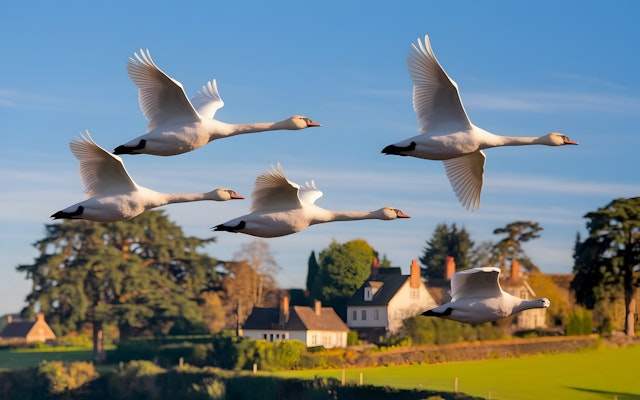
{"x":18,"y":329}
{"x":391,"y":283}
{"x":300,"y":319}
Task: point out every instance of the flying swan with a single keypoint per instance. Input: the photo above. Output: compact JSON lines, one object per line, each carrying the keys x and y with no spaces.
{"x":113,"y":195}
{"x":280,"y":207}
{"x":447,"y":134}
{"x":177,"y":125}
{"x":476,"y":297}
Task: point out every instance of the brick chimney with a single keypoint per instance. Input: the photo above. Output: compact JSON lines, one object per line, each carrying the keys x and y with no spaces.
{"x":515,"y":271}
{"x":375,"y":267}
{"x":414,"y":277}
{"x":284,"y":310}
{"x":449,"y":268}
{"x":317,"y":307}
{"x":40,"y":317}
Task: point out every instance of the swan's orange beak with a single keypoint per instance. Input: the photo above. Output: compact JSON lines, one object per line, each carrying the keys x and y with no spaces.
{"x":569,"y":141}
{"x":235,"y":195}
{"x":310,"y":123}
{"x":402,"y":215}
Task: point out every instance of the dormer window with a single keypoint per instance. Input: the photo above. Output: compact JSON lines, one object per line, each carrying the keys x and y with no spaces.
{"x":368,"y":294}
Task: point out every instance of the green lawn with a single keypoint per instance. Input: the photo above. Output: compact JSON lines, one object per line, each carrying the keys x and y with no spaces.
{"x":16,"y":359}
{"x":608,"y":373}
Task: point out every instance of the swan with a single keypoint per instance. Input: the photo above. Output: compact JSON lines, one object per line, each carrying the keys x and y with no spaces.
{"x":113,"y":195}
{"x":177,"y":125}
{"x":476,"y":297}
{"x":447,"y":134}
{"x":280,"y":207}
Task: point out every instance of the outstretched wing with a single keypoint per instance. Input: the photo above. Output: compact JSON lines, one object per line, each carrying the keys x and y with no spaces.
{"x":436,"y":100}
{"x":475,"y":283}
{"x":466,"y":175}
{"x":161,"y":97}
{"x":273,"y":191}
{"x":100,"y":171}
{"x":207,"y":101}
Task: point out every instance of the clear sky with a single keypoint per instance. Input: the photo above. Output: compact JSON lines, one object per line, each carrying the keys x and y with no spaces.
{"x":524,"y":68}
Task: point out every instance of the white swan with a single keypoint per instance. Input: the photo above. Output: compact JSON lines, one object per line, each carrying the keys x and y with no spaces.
{"x":281,"y":207}
{"x":447,"y":134}
{"x":476,"y":297}
{"x":113,"y":195}
{"x":177,"y":125}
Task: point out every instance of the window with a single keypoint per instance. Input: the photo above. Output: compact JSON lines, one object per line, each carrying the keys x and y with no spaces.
{"x":271,"y":337}
{"x":264,"y":336}
{"x":355,"y":315}
{"x":364,"y":315}
{"x":376,"y":314}
{"x":414,"y":294}
{"x":368,"y":294}
{"x":314,"y":340}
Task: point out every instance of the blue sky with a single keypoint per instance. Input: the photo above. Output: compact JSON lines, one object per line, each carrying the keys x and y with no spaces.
{"x":523,"y":69}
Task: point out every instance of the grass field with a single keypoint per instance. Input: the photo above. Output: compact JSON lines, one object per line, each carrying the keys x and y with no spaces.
{"x":606,"y":373}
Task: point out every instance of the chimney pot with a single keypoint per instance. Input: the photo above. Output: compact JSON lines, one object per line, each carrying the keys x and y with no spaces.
{"x":450,"y":268}
{"x":284,"y":310}
{"x":318,"y":307}
{"x":414,"y":275}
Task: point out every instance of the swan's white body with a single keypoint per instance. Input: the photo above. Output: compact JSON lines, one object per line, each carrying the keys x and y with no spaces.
{"x":447,"y":134}
{"x":113,"y":195}
{"x":281,"y":207}
{"x":476,"y":297}
{"x":177,"y":125}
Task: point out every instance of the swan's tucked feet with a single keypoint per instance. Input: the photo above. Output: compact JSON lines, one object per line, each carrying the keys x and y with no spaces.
{"x":68,"y":215}
{"x":130,"y":149}
{"x":432,"y":313}
{"x":396,"y":150}
{"x":234,"y":229}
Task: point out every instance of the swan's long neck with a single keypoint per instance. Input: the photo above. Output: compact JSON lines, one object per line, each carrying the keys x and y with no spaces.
{"x":171,"y":198}
{"x":329,"y":216}
{"x":239,"y":129}
{"x":526,"y":305}
{"x":519,"y":141}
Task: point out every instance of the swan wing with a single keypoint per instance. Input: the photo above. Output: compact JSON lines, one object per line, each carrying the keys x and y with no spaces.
{"x":466,"y":175}
{"x":309,"y":193}
{"x":161,"y":97}
{"x":273,"y":191}
{"x":100,"y":171}
{"x":436,"y":100}
{"x":207,"y":101}
{"x":475,"y":283}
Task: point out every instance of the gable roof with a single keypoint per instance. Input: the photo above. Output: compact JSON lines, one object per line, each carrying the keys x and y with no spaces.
{"x":300,"y":319}
{"x":18,"y":329}
{"x":387,"y":286}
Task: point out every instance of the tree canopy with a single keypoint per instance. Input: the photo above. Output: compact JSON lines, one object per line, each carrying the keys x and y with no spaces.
{"x":343,"y":268}
{"x":141,"y":275}
{"x":446,"y":241}
{"x":608,"y":261}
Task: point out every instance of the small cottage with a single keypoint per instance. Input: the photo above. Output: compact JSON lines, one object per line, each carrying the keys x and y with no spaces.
{"x":385,"y":299}
{"x":317,"y":326}
{"x":27,"y":331}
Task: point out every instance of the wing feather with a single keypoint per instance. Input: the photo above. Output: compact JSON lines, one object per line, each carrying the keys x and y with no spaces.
{"x":475,"y":283}
{"x":207,"y":101}
{"x":436,"y":100}
{"x":273,"y":191}
{"x":161,"y":97}
{"x":466,"y":175}
{"x":100,"y":171}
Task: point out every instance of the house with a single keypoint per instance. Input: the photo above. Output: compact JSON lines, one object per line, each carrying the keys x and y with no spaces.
{"x":385,"y":299}
{"x":27,"y":331}
{"x":317,"y":326}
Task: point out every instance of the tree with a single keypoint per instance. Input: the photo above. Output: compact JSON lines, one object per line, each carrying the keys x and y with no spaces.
{"x":609,"y":259}
{"x":312,"y":270}
{"x":141,"y":275}
{"x":446,"y":241}
{"x":510,"y":248}
{"x":343,"y":269}
{"x":258,"y":257}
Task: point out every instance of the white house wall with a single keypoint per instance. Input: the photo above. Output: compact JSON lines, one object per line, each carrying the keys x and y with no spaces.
{"x":328,"y":339}
{"x":407,"y":303}
{"x":370,"y":320}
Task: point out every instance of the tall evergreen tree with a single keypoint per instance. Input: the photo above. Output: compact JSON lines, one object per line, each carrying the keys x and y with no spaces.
{"x":312,"y":270}
{"x":609,"y":259}
{"x":141,"y":275}
{"x":446,"y":241}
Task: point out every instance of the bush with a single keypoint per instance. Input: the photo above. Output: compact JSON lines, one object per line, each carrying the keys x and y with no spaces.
{"x":136,"y":380}
{"x":424,"y":330}
{"x":59,"y":377}
{"x":352,"y":338}
{"x":579,"y":322}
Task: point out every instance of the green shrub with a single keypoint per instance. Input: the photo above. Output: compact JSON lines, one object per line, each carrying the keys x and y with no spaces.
{"x":579,"y":322}
{"x":136,"y":380}
{"x":59,"y":377}
{"x":352,"y":338}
